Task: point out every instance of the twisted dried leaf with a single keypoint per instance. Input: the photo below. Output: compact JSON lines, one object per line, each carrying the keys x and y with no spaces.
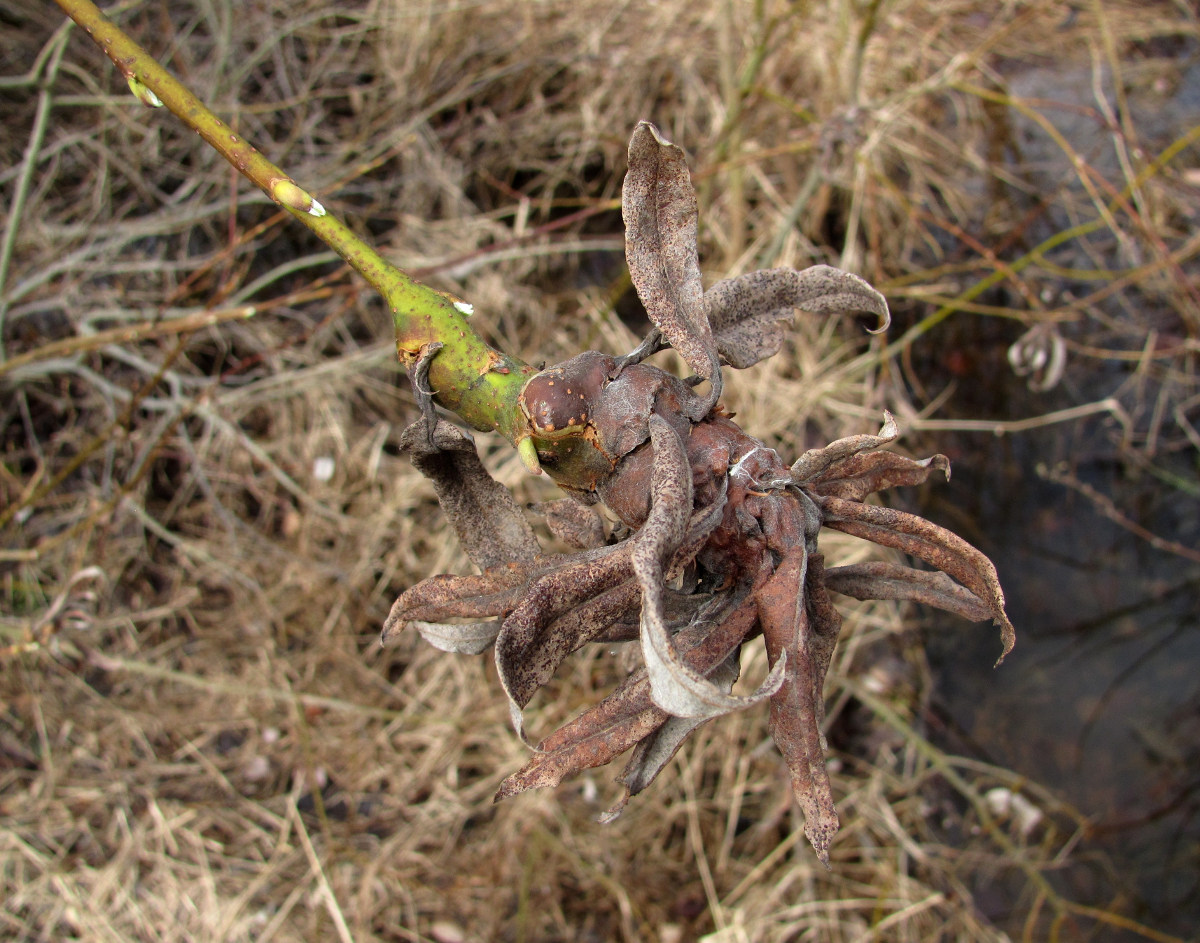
{"x":805,"y":646}
{"x":494,"y":593}
{"x":628,"y":715}
{"x":586,"y":744}
{"x":935,"y":545}
{"x":532,"y":641}
{"x":880,"y":580}
{"x":824,"y":620}
{"x":824,"y":462}
{"x":748,"y":315}
{"x":654,"y":752}
{"x":579,"y":603}
{"x":864,"y":474}
{"x":658,"y":204}
{"x":490,"y":527}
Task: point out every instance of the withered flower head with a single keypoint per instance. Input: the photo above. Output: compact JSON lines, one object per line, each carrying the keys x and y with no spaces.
{"x":705,"y":508}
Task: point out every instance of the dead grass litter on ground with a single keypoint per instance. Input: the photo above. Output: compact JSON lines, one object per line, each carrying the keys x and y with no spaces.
{"x":204,"y":525}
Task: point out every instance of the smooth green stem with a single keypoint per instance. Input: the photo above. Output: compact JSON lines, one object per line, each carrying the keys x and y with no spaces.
{"x":468,"y":376}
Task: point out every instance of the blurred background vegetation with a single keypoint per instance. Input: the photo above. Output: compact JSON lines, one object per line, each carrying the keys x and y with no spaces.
{"x":203,"y":516}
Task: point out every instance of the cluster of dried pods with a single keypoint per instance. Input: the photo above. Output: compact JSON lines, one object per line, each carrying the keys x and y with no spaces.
{"x":717,"y":541}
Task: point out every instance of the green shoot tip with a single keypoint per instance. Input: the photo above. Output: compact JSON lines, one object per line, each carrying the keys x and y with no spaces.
{"x":287,"y":193}
{"x":144,"y":93}
{"x":529,"y":457}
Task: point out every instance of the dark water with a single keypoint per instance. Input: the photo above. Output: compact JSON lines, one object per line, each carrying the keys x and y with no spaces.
{"x":1100,"y":701}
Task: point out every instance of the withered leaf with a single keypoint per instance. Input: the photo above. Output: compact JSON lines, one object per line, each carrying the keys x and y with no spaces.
{"x":526,"y":653}
{"x":658,"y":204}
{"x":925,"y":540}
{"x":815,"y":463}
{"x":825,"y":622}
{"x":588,"y":745}
{"x":749,"y":314}
{"x":628,"y":715}
{"x":578,"y":602}
{"x":494,"y":593}
{"x":573,"y":523}
{"x":798,"y":707}
{"x":860,"y":475}
{"x":654,"y":752}
{"x":880,"y":580}
{"x":490,"y":526}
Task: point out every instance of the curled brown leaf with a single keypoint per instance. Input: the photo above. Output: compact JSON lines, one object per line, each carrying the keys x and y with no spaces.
{"x":749,"y":314}
{"x":797,"y":706}
{"x":658,"y":204}
{"x":490,"y":526}
{"x":927,"y":541}
{"x":880,"y":580}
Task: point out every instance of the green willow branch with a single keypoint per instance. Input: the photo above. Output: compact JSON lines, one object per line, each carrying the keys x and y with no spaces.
{"x":468,"y":376}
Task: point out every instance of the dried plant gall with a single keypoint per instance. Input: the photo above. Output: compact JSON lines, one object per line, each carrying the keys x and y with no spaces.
{"x":716,"y":543}
{"x":558,"y":401}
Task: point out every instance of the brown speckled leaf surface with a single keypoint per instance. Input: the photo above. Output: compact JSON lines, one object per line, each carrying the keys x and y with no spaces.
{"x":658,"y":204}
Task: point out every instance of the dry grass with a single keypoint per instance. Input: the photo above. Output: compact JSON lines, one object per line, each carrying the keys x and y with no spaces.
{"x":203,"y":525}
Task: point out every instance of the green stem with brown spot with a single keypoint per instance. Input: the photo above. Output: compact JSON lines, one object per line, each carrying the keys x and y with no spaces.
{"x":468,"y":376}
